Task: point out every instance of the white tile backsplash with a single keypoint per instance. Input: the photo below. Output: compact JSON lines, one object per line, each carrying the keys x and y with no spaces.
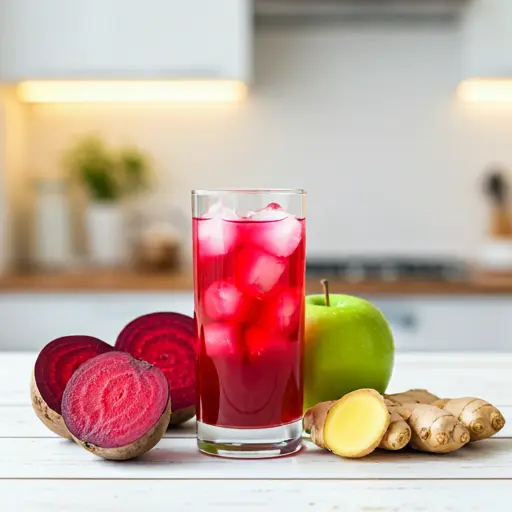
{"x":363,"y":116}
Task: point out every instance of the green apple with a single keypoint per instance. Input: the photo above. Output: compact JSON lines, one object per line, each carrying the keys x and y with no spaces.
{"x":348,"y":345}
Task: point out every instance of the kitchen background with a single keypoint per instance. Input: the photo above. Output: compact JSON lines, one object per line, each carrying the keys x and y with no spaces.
{"x":357,"y":102}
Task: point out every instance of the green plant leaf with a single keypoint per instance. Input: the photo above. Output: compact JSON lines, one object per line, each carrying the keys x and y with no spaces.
{"x":134,"y":166}
{"x":91,"y":162}
{"x":106,"y":176}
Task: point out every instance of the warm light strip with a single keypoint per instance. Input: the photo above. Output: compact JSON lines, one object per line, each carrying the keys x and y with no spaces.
{"x":485,"y":91}
{"x":170,"y":91}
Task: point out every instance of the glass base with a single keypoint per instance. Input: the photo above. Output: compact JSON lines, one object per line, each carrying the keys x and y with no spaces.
{"x":249,"y":443}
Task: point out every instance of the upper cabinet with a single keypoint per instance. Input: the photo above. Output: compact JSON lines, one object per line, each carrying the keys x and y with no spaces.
{"x":125,"y":40}
{"x":487,"y":26}
{"x":356,"y":10}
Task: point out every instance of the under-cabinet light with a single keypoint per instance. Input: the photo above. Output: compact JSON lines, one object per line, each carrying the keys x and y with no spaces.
{"x":172,"y":91}
{"x":485,"y":90}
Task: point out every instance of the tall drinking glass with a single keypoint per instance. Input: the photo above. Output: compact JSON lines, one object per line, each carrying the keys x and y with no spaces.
{"x":249,"y":265}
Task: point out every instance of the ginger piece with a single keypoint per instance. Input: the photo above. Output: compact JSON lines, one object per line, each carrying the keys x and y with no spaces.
{"x":433,"y":429}
{"x":314,"y":421}
{"x":481,"y":418}
{"x":352,"y":426}
{"x":413,"y":396}
{"x":398,"y":434}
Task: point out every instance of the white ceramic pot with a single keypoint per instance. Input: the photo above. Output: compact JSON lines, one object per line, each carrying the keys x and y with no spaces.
{"x":106,"y":234}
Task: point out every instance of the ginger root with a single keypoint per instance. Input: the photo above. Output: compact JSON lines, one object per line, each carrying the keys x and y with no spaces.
{"x":352,"y":426}
{"x":481,"y":418}
{"x":432,"y":429}
{"x":398,"y":434}
{"x":314,"y":421}
{"x":413,"y":396}
{"x":363,"y":420}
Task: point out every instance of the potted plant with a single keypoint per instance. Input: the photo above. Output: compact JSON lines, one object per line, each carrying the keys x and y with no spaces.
{"x":107,"y":178}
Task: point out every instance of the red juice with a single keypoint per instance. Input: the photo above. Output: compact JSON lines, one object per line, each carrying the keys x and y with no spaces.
{"x":249,"y":310}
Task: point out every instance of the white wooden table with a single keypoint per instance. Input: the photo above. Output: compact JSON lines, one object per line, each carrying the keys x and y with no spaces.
{"x":41,"y":472}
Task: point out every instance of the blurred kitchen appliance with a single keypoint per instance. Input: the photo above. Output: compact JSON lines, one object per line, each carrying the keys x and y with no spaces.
{"x":388,"y":269}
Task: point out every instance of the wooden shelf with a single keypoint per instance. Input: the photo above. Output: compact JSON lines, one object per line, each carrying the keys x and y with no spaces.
{"x":104,"y":281}
{"x":96,"y":281}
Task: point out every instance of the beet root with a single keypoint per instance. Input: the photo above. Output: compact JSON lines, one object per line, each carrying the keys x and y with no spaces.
{"x":49,"y":417}
{"x":180,"y":416}
{"x":53,"y":368}
{"x":116,"y":406}
{"x":168,"y":341}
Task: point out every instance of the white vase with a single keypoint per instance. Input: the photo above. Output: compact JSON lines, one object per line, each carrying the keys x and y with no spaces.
{"x":106,"y":234}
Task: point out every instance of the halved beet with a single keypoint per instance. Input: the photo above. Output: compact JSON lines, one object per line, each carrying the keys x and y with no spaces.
{"x":54,"y":367}
{"x":116,"y":406}
{"x":168,"y":341}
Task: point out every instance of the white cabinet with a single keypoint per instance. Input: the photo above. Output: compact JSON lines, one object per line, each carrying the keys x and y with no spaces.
{"x":125,"y":39}
{"x":436,"y":323}
{"x":477,"y":323}
{"x":487,"y":41}
{"x":30,"y":321}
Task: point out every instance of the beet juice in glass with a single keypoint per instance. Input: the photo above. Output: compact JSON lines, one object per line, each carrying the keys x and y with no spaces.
{"x":249,"y":266}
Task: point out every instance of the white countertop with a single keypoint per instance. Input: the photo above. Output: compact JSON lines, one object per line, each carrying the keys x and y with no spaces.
{"x":41,"y":472}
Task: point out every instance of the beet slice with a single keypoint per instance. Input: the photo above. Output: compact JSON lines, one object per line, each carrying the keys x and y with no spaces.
{"x":54,"y":367}
{"x":168,"y":341}
{"x":116,"y":406}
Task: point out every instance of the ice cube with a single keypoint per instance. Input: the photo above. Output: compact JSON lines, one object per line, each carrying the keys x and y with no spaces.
{"x":216,"y":236}
{"x":283,"y":312}
{"x":258,"y":272}
{"x":272,"y":211}
{"x":217,"y":231}
{"x":223,"y":300}
{"x":260,"y":341}
{"x":279,"y":237}
{"x":220,"y":339}
{"x":219,"y":211}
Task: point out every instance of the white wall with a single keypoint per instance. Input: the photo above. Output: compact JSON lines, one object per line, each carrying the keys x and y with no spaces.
{"x":362,"y":116}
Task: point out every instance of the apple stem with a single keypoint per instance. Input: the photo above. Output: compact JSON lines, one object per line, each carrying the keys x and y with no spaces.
{"x":325,"y":284}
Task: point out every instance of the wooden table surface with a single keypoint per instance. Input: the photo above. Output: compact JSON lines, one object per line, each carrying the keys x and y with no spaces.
{"x":41,"y":472}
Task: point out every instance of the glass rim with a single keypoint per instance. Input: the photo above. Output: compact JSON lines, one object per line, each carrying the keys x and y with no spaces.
{"x":283,"y":191}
